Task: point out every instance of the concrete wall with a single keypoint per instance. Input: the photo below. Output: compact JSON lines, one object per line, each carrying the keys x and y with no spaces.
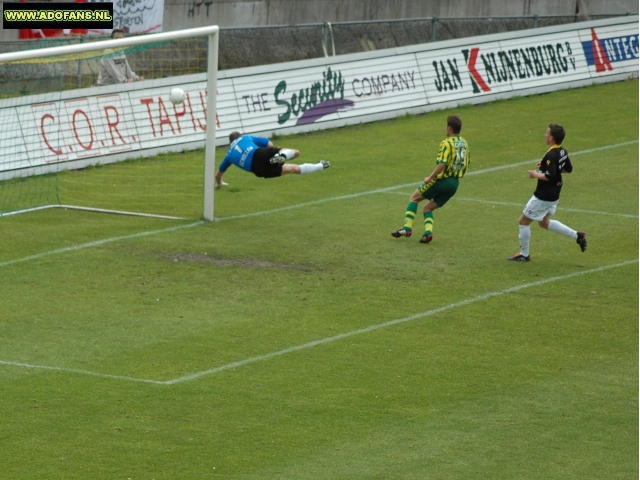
{"x":180,"y":14}
{"x":239,"y":13}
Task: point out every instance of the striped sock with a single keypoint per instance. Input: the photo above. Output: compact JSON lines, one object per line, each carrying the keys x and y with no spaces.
{"x":409,"y":215}
{"x":428,"y":222}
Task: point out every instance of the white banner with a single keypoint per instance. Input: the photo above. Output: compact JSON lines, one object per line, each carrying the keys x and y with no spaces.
{"x":77,"y":128}
{"x":136,"y":16}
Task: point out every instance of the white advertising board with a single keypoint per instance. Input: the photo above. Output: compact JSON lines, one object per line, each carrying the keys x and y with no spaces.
{"x":73,"y":129}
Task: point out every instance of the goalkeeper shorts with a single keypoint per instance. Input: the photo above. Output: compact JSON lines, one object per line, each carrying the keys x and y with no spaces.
{"x":261,"y":164}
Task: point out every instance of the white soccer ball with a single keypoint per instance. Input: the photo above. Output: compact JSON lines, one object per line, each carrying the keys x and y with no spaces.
{"x":177,"y":96}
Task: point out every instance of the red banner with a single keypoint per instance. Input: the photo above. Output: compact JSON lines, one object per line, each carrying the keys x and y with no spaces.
{"x":39,"y":33}
{"x":30,"y":33}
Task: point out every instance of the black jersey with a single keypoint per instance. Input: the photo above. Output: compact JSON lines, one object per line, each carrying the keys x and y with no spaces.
{"x":555,"y":161}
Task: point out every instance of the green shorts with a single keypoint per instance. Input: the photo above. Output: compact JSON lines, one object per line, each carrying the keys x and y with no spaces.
{"x":440,"y":191}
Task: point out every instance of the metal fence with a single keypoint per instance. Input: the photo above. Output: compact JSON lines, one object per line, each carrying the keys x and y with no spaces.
{"x":242,"y":47}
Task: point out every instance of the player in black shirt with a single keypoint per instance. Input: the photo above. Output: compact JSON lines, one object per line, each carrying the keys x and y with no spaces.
{"x":545,"y":199}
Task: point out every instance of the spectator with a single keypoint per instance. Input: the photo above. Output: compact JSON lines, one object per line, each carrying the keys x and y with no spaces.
{"x":115,"y":68}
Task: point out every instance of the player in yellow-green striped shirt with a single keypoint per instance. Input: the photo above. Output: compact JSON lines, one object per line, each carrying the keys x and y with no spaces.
{"x":451,"y":165}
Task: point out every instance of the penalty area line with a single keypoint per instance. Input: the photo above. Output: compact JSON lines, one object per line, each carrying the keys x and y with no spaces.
{"x":405,"y":185}
{"x":528,"y":162}
{"x":398,"y":321}
{"x":323,"y":341}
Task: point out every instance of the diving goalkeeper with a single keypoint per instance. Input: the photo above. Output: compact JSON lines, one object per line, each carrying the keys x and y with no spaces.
{"x":257,"y":155}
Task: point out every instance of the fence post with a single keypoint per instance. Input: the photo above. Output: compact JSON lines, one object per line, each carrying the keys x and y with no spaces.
{"x":324,"y":39}
{"x":79,"y":81}
{"x":433,"y":28}
{"x":535,"y":21}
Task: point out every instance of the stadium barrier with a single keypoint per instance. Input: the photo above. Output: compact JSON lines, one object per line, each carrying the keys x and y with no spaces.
{"x":99,"y":125}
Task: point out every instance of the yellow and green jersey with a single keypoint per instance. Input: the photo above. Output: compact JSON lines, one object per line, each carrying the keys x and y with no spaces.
{"x":454,"y":153}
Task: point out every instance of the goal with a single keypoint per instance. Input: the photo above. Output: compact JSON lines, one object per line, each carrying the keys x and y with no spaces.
{"x":73,"y":136}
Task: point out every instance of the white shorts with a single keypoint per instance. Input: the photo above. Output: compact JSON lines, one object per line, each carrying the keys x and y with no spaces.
{"x":537,"y":209}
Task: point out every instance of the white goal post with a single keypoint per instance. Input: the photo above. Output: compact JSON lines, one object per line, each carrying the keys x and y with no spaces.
{"x":22,"y":108}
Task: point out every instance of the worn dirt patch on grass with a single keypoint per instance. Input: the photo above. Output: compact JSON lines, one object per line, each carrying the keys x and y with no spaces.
{"x":227,"y":262}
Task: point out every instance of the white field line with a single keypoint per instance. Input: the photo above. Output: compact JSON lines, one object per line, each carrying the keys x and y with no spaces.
{"x":326,"y":340}
{"x":98,"y":243}
{"x":491,"y":202}
{"x":577,"y":210}
{"x":413,"y":184}
{"x":417,"y":316}
{"x":276,"y":210}
{"x":81,"y":372}
{"x":528,"y":162}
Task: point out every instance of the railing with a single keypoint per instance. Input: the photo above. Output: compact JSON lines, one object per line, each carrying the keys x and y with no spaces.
{"x":248,"y":46}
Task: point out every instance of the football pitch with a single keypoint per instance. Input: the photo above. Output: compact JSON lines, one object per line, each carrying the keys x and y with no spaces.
{"x":294,"y":338}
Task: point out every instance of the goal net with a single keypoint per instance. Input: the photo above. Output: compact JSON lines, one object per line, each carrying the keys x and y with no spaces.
{"x":90,"y":125}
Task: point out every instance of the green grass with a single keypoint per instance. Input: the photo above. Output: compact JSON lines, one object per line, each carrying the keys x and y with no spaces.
{"x":535,"y":383}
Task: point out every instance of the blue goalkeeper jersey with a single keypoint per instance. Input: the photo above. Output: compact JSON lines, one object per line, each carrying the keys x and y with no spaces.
{"x":241,"y":152}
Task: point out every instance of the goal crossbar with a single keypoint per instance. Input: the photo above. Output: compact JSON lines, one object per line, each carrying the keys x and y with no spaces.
{"x":108,"y":44}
